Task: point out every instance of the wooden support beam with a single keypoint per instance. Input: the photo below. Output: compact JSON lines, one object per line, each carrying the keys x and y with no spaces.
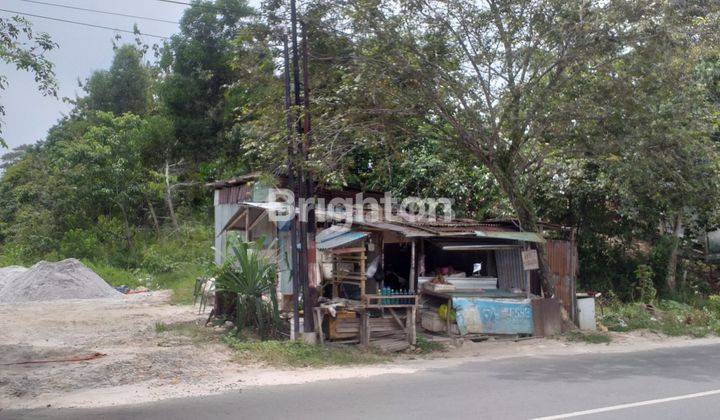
{"x":412,"y":279}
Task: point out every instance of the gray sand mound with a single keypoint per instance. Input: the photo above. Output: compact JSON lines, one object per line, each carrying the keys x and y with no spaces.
{"x":9,"y":274}
{"x":67,"y":279}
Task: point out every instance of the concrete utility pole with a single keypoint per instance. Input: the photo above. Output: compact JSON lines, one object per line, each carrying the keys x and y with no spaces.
{"x":302,"y":178}
{"x":292,"y":152}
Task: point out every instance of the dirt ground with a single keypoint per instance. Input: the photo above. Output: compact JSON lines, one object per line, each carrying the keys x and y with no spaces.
{"x":141,"y":364}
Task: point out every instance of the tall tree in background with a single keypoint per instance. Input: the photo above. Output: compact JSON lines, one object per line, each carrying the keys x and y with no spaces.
{"x":26,"y":50}
{"x":125,"y":87}
{"x":197,"y":62}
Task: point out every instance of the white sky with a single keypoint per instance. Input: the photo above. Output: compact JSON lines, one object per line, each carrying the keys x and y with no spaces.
{"x":82,"y":50}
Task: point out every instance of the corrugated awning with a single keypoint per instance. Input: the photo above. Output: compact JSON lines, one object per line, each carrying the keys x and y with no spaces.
{"x":513,"y":236}
{"x":339,"y":239}
{"x":237,"y":221}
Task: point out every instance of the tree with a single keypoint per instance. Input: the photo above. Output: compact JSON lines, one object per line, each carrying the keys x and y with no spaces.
{"x":647,"y":123}
{"x":105,"y":168}
{"x":125,"y":87}
{"x":485,"y":71}
{"x":197,"y":62}
{"x":26,"y":50}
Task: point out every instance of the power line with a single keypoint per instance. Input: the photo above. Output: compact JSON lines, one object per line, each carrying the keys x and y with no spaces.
{"x":175,"y":2}
{"x":82,"y":24}
{"x":99,"y":11}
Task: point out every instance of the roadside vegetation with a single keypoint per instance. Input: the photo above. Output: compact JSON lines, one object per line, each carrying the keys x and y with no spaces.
{"x":591,"y":337}
{"x":669,"y":317}
{"x":299,"y":354}
{"x":173,"y":260}
{"x":561,"y":131}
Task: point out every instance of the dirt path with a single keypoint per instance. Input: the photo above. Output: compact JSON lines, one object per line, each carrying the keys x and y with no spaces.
{"x":142,"y":364}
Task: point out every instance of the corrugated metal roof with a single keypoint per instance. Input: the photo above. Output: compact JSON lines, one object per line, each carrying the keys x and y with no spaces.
{"x":343,"y":239}
{"x":513,"y":236}
{"x":410,"y":229}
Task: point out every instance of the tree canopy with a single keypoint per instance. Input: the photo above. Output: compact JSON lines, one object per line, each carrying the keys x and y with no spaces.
{"x":601,"y":116}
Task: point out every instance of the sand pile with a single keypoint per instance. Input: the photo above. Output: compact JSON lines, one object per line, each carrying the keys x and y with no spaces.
{"x":9,"y":274}
{"x":67,"y":279}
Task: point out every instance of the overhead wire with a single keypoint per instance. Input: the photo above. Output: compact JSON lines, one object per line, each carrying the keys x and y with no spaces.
{"x":83,"y":24}
{"x":104,"y":12}
{"x":175,"y":2}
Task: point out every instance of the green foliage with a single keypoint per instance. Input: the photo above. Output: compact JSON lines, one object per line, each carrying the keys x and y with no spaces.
{"x":427,"y":346}
{"x":249,"y":274}
{"x":157,"y":262}
{"x":596,"y":115}
{"x":669,"y":317}
{"x":590,"y":337}
{"x":160,"y":327}
{"x":80,"y":243}
{"x":124,"y":88}
{"x":118,"y":276}
{"x":299,"y":354}
{"x":645,"y":288}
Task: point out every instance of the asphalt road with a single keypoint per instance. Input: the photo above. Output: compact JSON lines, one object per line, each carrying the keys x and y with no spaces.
{"x":678,"y":383}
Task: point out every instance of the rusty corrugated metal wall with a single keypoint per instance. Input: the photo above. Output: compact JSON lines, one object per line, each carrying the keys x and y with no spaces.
{"x":509,"y":269}
{"x":563,"y":260}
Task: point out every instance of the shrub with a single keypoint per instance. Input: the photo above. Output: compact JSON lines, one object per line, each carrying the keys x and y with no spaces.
{"x":251,"y":276}
{"x":80,"y":243}
{"x":155,"y":261}
{"x":645,"y":288}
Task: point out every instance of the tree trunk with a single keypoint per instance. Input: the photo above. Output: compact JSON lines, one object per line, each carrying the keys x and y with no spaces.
{"x":529,"y":222}
{"x":670,"y":278}
{"x":153,"y":216}
{"x":168,"y":197}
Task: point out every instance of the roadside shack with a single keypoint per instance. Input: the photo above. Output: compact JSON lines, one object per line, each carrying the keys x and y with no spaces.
{"x":378,"y":278}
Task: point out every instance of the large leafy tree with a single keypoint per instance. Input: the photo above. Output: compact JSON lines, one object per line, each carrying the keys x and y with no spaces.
{"x":493,"y":75}
{"x":125,"y":87}
{"x":198,"y":66}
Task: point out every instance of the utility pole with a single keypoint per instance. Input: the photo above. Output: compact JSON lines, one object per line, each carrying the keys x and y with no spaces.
{"x":310,"y":291}
{"x":292,"y":151}
{"x":302,"y":180}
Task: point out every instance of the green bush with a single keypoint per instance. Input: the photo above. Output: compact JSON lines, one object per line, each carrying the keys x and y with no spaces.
{"x":645,"y":288}
{"x":251,"y":276}
{"x":156,"y":261}
{"x":80,"y":243}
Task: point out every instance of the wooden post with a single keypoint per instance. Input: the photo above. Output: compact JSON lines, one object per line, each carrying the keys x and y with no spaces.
{"x":365,"y":330}
{"x":410,"y":328}
{"x":411,"y":280}
{"x":335,"y":287}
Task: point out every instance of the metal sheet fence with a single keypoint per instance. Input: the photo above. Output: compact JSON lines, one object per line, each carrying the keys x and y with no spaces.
{"x":563,"y":261}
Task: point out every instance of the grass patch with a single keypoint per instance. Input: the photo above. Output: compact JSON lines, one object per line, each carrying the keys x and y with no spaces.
{"x":299,"y":354}
{"x":591,"y":337}
{"x":190,"y":331}
{"x":116,"y":276}
{"x":426,"y":346}
{"x":668,"y":317}
{"x":182,"y":283}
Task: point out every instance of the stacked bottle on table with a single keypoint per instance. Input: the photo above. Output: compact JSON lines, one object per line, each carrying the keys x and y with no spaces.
{"x":387,"y":291}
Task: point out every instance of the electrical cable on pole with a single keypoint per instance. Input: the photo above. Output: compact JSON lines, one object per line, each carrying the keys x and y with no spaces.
{"x":64,"y":6}
{"x":82,"y":24}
